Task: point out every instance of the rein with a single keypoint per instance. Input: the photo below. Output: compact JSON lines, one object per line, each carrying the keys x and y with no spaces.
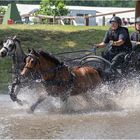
{"x":6,"y":49}
{"x":53,"y":78}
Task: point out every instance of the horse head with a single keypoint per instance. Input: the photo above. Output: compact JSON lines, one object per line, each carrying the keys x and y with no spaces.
{"x":41,"y":62}
{"x":31,"y":62}
{"x":8,"y":46}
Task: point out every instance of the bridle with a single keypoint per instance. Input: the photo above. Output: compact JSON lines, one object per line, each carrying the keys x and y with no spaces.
{"x":49,"y":70}
{"x":36,"y":61}
{"x":6,"y":47}
{"x":54,"y":71}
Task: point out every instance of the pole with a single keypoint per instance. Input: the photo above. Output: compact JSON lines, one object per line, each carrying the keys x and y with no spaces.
{"x":137,"y":7}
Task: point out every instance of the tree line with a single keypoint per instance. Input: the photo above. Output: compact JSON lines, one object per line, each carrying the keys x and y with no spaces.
{"x":99,"y":3}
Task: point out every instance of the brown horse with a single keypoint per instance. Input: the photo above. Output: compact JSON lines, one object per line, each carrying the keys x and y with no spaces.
{"x":60,"y":80}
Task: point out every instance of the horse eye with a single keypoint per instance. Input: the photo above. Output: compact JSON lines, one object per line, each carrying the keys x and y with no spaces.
{"x":24,"y":60}
{"x":10,"y":45}
{"x":32,"y":61}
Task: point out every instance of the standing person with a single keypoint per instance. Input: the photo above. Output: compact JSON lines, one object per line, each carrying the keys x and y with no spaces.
{"x":128,"y":21}
{"x":124,"y":22}
{"x":116,"y":40}
{"x":135,"y":36}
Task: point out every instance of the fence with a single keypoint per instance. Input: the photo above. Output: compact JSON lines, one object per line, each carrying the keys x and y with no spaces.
{"x":106,"y":14}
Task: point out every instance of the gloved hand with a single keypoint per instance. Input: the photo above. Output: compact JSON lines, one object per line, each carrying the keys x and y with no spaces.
{"x":111,"y":42}
{"x":137,"y":43}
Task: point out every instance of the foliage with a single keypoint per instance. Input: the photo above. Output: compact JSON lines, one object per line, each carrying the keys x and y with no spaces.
{"x":53,"y":8}
{"x":6,"y":2}
{"x":2,"y":10}
{"x":102,"y":3}
{"x":99,"y":3}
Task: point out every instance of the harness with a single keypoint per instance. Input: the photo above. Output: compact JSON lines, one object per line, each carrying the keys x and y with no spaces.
{"x":6,"y":49}
{"x":53,"y":81}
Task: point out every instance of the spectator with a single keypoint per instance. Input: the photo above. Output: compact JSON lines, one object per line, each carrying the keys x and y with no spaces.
{"x":124,"y":22}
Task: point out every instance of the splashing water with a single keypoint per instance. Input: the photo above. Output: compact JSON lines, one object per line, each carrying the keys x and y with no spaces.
{"x":123,"y":95}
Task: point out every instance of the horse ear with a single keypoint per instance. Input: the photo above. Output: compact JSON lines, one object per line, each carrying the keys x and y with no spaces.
{"x":14,"y":37}
{"x":34,"y":52}
{"x":29,"y":50}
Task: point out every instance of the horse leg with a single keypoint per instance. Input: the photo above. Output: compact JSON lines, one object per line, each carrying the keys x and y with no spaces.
{"x":39,"y":100}
{"x":65,"y":104}
{"x":14,"y":90}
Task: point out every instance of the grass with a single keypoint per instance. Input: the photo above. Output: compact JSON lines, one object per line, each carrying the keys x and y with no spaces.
{"x":52,"y":38}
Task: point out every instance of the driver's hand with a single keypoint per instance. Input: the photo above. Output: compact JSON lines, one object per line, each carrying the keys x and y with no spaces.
{"x":97,"y":46}
{"x":137,"y":43}
{"x":111,"y":42}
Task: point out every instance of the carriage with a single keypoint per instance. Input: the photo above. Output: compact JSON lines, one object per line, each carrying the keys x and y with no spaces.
{"x":122,"y":64}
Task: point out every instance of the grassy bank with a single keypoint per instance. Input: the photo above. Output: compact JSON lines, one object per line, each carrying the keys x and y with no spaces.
{"x":54,"y":38}
{"x":51,"y":38}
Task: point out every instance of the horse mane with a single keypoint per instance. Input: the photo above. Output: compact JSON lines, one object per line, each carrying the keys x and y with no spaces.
{"x":50,"y":57}
{"x":16,"y":39}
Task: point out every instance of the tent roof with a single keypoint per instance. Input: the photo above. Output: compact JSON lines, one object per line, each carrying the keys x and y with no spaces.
{"x":12,"y":13}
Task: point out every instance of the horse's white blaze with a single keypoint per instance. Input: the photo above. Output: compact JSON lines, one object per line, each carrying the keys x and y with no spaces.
{"x":82,"y":71}
{"x":2,"y":50}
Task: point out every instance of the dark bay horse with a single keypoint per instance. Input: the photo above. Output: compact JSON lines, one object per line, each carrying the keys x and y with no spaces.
{"x":12,"y":47}
{"x":60,"y":80}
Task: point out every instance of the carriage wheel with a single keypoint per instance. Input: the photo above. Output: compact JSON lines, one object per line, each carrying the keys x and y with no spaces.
{"x":95,"y":61}
{"x":101,"y":63}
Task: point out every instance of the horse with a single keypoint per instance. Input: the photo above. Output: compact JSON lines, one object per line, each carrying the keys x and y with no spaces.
{"x":59,"y":79}
{"x":12,"y":47}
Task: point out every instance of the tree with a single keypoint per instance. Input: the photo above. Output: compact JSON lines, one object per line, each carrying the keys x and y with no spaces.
{"x":2,"y":10}
{"x":101,"y":3}
{"x":53,"y":8}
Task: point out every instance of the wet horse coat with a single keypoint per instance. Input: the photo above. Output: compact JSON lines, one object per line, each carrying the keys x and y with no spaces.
{"x":60,"y":80}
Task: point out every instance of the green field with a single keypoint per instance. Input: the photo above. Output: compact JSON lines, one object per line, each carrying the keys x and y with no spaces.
{"x":52,"y":38}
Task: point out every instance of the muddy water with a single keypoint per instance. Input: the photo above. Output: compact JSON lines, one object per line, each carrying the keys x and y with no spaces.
{"x":113,"y":116}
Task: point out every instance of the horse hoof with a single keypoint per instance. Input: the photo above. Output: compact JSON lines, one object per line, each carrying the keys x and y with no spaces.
{"x":30,"y":111}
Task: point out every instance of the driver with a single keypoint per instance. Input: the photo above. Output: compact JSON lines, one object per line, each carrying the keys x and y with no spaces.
{"x":135,"y":36}
{"x":116,"y":40}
